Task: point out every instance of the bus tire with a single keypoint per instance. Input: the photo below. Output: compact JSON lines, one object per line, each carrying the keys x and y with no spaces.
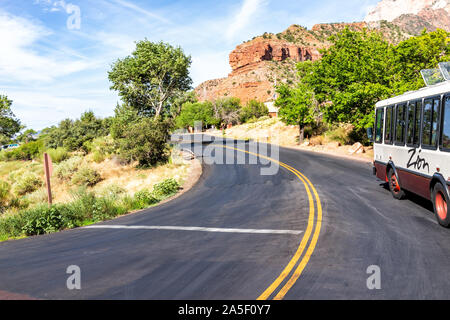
{"x":394,"y":186}
{"x":440,"y":201}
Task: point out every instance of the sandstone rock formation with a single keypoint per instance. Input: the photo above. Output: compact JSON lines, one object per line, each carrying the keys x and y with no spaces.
{"x":392,"y":9}
{"x":246,"y":56}
{"x":259,"y":64}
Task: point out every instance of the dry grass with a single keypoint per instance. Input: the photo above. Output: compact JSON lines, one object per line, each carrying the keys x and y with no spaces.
{"x":127,"y":177}
{"x":276,"y":132}
{"x":270,"y":130}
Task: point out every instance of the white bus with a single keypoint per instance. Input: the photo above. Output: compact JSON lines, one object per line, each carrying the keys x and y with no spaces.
{"x":412,"y":145}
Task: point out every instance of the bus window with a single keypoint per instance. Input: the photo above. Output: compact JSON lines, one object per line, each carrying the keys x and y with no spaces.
{"x":435,"y":127}
{"x":446,"y":123}
{"x":379,"y":124}
{"x":400,"y":124}
{"x":430,"y":119}
{"x":411,"y":121}
{"x":388,"y":126}
{"x":418,"y":118}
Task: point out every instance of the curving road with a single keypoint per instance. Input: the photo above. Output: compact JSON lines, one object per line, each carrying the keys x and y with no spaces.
{"x":234,"y":234}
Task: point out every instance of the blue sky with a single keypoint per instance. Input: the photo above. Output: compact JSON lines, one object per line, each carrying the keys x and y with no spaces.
{"x":55,"y":54}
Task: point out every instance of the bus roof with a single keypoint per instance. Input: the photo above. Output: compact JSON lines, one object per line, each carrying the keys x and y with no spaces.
{"x":434,"y":90}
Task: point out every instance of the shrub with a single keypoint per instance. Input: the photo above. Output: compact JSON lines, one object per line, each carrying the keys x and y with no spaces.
{"x":11,"y":226}
{"x":340,"y":134}
{"x":98,"y":157}
{"x":105,"y":208}
{"x":166,"y":188}
{"x":5,"y":188}
{"x":42,"y":219}
{"x":83,"y":203}
{"x":19,"y":203}
{"x":112,"y":191}
{"x":27,"y":183}
{"x":145,"y":198}
{"x":145,"y":141}
{"x":101,"y":148}
{"x":130,"y":203}
{"x":25,"y":152}
{"x":86,"y":176}
{"x":316,"y":141}
{"x":3,"y":156}
{"x":253,"y":110}
{"x":58,"y":155}
{"x":38,"y":196}
{"x":66,"y":169}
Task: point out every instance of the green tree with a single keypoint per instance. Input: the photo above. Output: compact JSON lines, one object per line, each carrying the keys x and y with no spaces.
{"x":226,"y":111}
{"x":351,"y":77}
{"x":145,"y":141}
{"x":296,"y":106}
{"x":9,"y":124}
{"x":196,"y":112}
{"x":253,"y":110}
{"x":151,"y":77}
{"x":73,"y":135}
{"x":361,"y":68}
{"x":179,"y":101}
{"x":27,"y":136}
{"x":124,"y":117}
{"x":417,"y":53}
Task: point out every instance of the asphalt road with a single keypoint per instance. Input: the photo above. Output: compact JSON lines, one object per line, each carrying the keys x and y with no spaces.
{"x":362,"y":225}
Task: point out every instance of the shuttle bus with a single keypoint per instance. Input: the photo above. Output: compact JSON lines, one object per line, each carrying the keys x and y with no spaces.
{"x":412,"y":145}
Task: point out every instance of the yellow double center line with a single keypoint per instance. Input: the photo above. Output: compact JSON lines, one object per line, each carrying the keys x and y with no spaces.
{"x":312,"y":220}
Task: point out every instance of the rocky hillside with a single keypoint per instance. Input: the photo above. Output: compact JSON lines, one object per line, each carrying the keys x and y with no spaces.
{"x":413,"y":15}
{"x":259,"y":64}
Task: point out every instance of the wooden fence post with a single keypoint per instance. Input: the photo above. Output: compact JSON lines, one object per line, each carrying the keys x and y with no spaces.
{"x":48,"y":166}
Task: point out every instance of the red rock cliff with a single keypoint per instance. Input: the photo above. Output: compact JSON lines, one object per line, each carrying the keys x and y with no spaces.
{"x":246,"y":56}
{"x":253,"y":74}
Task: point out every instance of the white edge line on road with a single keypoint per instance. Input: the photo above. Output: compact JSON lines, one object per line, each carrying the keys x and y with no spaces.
{"x":201,"y":229}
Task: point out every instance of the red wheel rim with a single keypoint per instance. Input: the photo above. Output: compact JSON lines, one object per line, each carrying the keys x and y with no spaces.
{"x":441,"y":206}
{"x":395,"y":185}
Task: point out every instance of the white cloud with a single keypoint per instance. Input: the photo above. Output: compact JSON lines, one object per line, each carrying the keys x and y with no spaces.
{"x":248,"y":9}
{"x":135,"y":8}
{"x":38,"y":109}
{"x":19,"y":62}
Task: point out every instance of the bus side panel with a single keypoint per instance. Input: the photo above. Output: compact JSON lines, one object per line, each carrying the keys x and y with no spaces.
{"x":381,"y":171}
{"x":415,"y":183}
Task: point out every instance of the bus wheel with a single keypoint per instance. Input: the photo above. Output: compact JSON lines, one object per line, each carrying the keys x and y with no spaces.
{"x":394,"y":186}
{"x":440,"y":200}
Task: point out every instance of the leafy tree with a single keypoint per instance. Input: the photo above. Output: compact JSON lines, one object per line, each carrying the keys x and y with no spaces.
{"x":193,"y":112}
{"x":361,"y":68}
{"x":139,"y":138}
{"x":226,"y":111}
{"x":253,"y":110}
{"x":179,"y":101}
{"x":296,"y":106}
{"x":9,"y":124}
{"x":73,"y":135}
{"x":124,"y":117}
{"x":353,"y":75}
{"x":151,"y":77}
{"x":145,"y":141}
{"x":27,"y":136}
{"x":417,"y":53}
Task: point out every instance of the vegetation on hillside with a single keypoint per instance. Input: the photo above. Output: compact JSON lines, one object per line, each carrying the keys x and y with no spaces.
{"x":220,"y":113}
{"x":153,"y":83}
{"x":358,"y":70}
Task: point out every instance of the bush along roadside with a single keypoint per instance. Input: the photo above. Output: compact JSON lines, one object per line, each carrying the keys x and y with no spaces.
{"x":86,"y":208}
